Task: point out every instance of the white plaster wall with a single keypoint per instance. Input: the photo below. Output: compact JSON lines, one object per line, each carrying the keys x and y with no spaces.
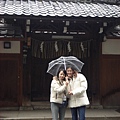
{"x":111,"y":46}
{"x":15,"y":47}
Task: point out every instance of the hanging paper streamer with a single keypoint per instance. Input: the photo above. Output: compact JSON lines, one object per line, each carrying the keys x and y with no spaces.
{"x":69,"y":47}
{"x":56,"y":46}
{"x":41,"y":46}
{"x":82,"y":47}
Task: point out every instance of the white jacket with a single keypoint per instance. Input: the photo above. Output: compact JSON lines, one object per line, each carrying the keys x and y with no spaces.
{"x":78,"y":86}
{"x":57,"y":91}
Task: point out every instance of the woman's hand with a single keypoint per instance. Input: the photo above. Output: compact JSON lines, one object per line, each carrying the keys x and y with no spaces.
{"x":75,"y":74}
{"x":67,"y":81}
{"x":54,"y":77}
{"x":70,"y":93}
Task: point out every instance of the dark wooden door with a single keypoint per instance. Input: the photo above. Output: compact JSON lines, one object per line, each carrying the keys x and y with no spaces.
{"x":40,"y":80}
{"x":9,"y":82}
{"x":110,"y":80}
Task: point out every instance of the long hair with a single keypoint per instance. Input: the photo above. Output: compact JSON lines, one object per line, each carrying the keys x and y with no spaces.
{"x":60,"y":71}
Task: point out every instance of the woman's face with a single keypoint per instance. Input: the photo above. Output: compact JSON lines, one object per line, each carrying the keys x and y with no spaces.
{"x":61,"y":75}
{"x":70,"y":72}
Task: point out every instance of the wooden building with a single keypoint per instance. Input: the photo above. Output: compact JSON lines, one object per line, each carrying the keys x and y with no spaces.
{"x":34,"y":32}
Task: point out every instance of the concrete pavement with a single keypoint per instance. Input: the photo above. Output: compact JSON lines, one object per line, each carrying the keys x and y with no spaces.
{"x":45,"y":114}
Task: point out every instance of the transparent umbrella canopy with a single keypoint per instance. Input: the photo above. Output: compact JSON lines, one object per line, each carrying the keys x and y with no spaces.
{"x":62,"y":63}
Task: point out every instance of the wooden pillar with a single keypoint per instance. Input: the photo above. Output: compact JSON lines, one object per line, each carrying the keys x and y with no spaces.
{"x":95,"y":69}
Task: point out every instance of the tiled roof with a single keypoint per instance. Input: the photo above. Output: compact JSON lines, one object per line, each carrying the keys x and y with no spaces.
{"x":58,"y":8}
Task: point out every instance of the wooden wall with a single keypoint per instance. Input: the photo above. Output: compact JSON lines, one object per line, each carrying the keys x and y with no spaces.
{"x":11,"y":77}
{"x":110,"y":80}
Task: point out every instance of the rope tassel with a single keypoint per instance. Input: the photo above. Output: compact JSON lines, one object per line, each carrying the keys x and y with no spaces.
{"x":41,"y":46}
{"x":82,"y":47}
{"x":69,"y":47}
{"x":56,"y":47}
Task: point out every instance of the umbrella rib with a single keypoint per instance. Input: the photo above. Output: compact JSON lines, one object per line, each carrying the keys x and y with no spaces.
{"x":53,"y":65}
{"x":76,"y":65}
{"x":63,"y":62}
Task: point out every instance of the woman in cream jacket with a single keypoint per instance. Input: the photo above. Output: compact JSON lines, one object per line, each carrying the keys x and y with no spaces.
{"x":58,"y":95}
{"x":78,"y":97}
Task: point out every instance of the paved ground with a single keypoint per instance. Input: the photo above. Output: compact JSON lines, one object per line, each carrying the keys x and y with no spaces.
{"x":45,"y":114}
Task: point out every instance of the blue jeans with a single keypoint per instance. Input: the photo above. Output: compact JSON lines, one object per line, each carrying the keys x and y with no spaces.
{"x":78,"y":113}
{"x":57,"y":110}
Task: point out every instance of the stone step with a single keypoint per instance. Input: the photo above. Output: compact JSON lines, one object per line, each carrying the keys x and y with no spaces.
{"x":36,"y":106}
{"x":45,"y":114}
{"x":67,"y":118}
{"x":64,"y":119}
{"x":41,"y":111}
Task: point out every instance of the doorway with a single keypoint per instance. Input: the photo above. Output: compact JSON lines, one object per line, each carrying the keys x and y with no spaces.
{"x":10,"y":95}
{"x":45,"y":51}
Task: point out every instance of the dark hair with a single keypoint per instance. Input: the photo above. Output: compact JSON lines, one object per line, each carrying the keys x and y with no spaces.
{"x":60,"y":71}
{"x":69,"y":66}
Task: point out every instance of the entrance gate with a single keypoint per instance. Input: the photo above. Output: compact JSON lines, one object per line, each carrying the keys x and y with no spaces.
{"x":45,"y":51}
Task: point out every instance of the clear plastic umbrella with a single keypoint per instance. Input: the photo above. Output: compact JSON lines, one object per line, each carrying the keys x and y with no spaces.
{"x":62,"y":63}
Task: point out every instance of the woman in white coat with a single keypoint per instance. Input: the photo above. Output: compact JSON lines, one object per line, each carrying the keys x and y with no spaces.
{"x":58,"y":96}
{"x":78,"y":97}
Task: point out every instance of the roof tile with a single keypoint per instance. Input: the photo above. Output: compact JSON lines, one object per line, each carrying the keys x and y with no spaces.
{"x":58,"y":8}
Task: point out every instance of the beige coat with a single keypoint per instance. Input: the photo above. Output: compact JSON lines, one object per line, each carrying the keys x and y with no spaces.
{"x":57,"y":91}
{"x":78,"y":86}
